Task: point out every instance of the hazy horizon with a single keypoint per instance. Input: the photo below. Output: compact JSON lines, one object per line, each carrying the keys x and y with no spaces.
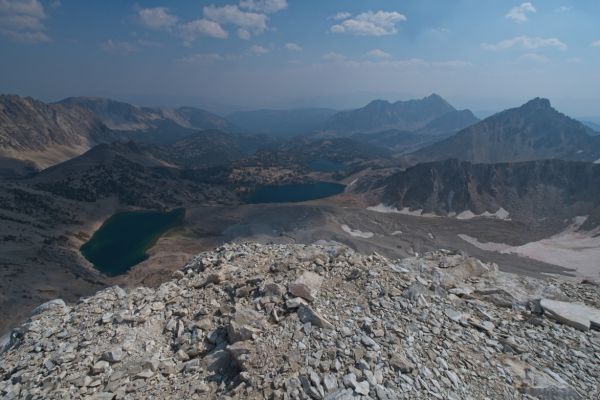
{"x":239,"y":55}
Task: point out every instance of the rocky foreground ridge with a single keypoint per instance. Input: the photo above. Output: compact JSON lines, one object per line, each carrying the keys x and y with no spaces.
{"x":315,"y":322}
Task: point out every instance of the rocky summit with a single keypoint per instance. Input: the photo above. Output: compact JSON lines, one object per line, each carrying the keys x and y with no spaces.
{"x":315,"y":322}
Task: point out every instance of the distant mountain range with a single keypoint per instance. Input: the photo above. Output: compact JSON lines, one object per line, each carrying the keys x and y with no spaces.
{"x":526,"y":190}
{"x":35,"y":135}
{"x":158,"y":125}
{"x":534,"y":131}
{"x":411,"y":116}
{"x":41,"y":134}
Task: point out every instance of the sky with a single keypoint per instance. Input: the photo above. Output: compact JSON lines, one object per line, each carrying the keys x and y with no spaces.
{"x":227,"y":54}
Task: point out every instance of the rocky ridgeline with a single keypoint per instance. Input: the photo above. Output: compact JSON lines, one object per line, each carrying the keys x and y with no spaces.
{"x":314,"y":322}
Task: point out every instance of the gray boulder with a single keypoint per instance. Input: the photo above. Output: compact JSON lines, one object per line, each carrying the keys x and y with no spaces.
{"x":578,"y":316}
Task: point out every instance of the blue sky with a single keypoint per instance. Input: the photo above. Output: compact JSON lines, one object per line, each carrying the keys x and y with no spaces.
{"x":484,"y":55}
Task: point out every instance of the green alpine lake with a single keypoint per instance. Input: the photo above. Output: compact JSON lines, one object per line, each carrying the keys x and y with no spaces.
{"x":123,"y":239}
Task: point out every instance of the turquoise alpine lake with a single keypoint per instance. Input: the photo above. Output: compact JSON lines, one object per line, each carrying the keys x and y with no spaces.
{"x":294,"y":193}
{"x":123,"y":239}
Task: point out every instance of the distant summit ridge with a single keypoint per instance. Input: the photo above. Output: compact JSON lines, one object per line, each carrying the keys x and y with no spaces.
{"x":533,"y":131}
{"x":538,"y":103}
{"x":380,"y":115}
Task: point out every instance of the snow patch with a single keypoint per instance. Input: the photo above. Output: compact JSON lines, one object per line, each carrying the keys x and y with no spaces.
{"x":357,"y":233}
{"x":489,"y":246}
{"x":396,"y":233}
{"x":382,"y":208}
{"x":500,"y":214}
{"x":468,"y":214}
{"x":597,"y":161}
{"x":571,"y":248}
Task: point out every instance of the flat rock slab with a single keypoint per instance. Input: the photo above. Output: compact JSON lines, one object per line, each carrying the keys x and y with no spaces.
{"x":306,"y":286}
{"x":307,"y":314}
{"x":576,"y":315}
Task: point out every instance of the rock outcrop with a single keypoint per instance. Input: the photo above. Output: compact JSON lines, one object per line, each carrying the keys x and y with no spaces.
{"x":548,"y":189}
{"x":310,"y":322}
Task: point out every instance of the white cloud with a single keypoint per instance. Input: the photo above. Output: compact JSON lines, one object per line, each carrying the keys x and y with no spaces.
{"x":157,"y":18}
{"x":190,"y":31}
{"x":22,"y":20}
{"x":293,"y":47}
{"x":563,"y":9}
{"x":378,"y":54}
{"x":388,"y":63}
{"x":210,"y":58}
{"x":341,"y":15}
{"x":114,"y":47}
{"x":249,"y":17}
{"x":333,"y":57}
{"x":526,"y":42}
{"x":258,"y":50}
{"x":203,"y":58}
{"x":264,"y":6}
{"x":574,"y":60}
{"x":596,"y":43}
{"x":519,"y":13}
{"x":451,"y":64}
{"x":244,"y":34}
{"x":248,"y":21}
{"x":370,"y":23}
{"x":533,"y":57}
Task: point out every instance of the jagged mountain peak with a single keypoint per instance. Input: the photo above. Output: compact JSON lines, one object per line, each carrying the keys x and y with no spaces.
{"x":537,"y":104}
{"x":379,"y":115}
{"x":435,"y":98}
{"x":378,"y":103}
{"x":533,"y":131}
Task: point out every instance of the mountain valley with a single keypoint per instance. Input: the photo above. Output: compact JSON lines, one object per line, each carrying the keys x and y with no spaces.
{"x":299,"y":200}
{"x":126,"y":158}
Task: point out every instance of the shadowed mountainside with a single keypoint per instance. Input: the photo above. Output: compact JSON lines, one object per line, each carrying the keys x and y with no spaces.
{"x":527,"y":190}
{"x":132,"y":175}
{"x":534,"y":131}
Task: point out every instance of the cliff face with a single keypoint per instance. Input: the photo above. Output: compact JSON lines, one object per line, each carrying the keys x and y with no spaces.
{"x":318,"y":321}
{"x":534,"y":189}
